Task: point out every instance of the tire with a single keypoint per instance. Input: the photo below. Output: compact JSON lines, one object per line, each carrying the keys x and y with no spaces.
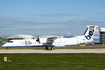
{"x":52,"y":48}
{"x":46,"y":48}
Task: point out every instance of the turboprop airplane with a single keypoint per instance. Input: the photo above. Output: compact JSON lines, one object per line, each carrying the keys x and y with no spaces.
{"x":54,"y":41}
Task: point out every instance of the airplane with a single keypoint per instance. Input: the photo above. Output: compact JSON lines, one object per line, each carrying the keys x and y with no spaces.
{"x":54,"y":41}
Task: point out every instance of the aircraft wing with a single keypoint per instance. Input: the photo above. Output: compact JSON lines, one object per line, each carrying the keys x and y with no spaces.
{"x":52,"y":38}
{"x":50,"y":41}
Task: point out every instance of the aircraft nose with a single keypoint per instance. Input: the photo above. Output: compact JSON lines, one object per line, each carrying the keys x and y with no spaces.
{"x":4,"y":45}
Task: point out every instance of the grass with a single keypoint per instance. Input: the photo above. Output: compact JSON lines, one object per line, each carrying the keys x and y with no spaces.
{"x":4,"y":39}
{"x":71,"y":61}
{"x":71,"y":47}
{"x":53,"y":62}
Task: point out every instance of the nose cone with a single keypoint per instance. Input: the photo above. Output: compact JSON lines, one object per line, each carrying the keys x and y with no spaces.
{"x":4,"y":45}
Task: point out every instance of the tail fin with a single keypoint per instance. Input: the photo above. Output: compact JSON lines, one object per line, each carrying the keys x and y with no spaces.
{"x":89,"y":33}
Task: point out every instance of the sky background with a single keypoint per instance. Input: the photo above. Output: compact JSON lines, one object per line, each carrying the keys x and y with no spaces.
{"x":50,"y":17}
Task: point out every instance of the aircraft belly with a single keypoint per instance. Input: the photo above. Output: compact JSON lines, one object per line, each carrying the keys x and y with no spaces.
{"x":25,"y":46}
{"x":58,"y":45}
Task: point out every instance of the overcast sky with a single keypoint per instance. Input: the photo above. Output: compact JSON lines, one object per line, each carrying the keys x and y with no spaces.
{"x":50,"y":17}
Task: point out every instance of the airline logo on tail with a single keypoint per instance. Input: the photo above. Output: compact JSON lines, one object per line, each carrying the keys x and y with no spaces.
{"x":88,"y":37}
{"x":90,"y":32}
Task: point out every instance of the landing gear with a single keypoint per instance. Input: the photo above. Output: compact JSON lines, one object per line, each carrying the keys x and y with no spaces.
{"x":46,"y":48}
{"x":52,"y":48}
{"x":7,"y":47}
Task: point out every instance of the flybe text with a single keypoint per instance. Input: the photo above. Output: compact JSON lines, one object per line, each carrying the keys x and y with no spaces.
{"x":28,"y":42}
{"x":88,"y":37}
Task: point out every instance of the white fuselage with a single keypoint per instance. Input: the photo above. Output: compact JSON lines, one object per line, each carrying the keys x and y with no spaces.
{"x":59,"y":42}
{"x":70,"y":41}
{"x":25,"y":43}
{"x":87,"y":37}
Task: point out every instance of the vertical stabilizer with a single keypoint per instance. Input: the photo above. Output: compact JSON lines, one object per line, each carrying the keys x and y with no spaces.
{"x":89,"y":33}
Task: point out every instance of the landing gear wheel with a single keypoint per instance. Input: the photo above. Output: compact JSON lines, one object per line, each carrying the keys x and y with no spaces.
{"x":52,"y":48}
{"x":7,"y":47}
{"x":46,"y":48}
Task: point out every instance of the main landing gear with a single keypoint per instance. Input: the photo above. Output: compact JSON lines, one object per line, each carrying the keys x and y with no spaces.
{"x":47,"y":48}
{"x":52,"y":48}
{"x":7,"y":47}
